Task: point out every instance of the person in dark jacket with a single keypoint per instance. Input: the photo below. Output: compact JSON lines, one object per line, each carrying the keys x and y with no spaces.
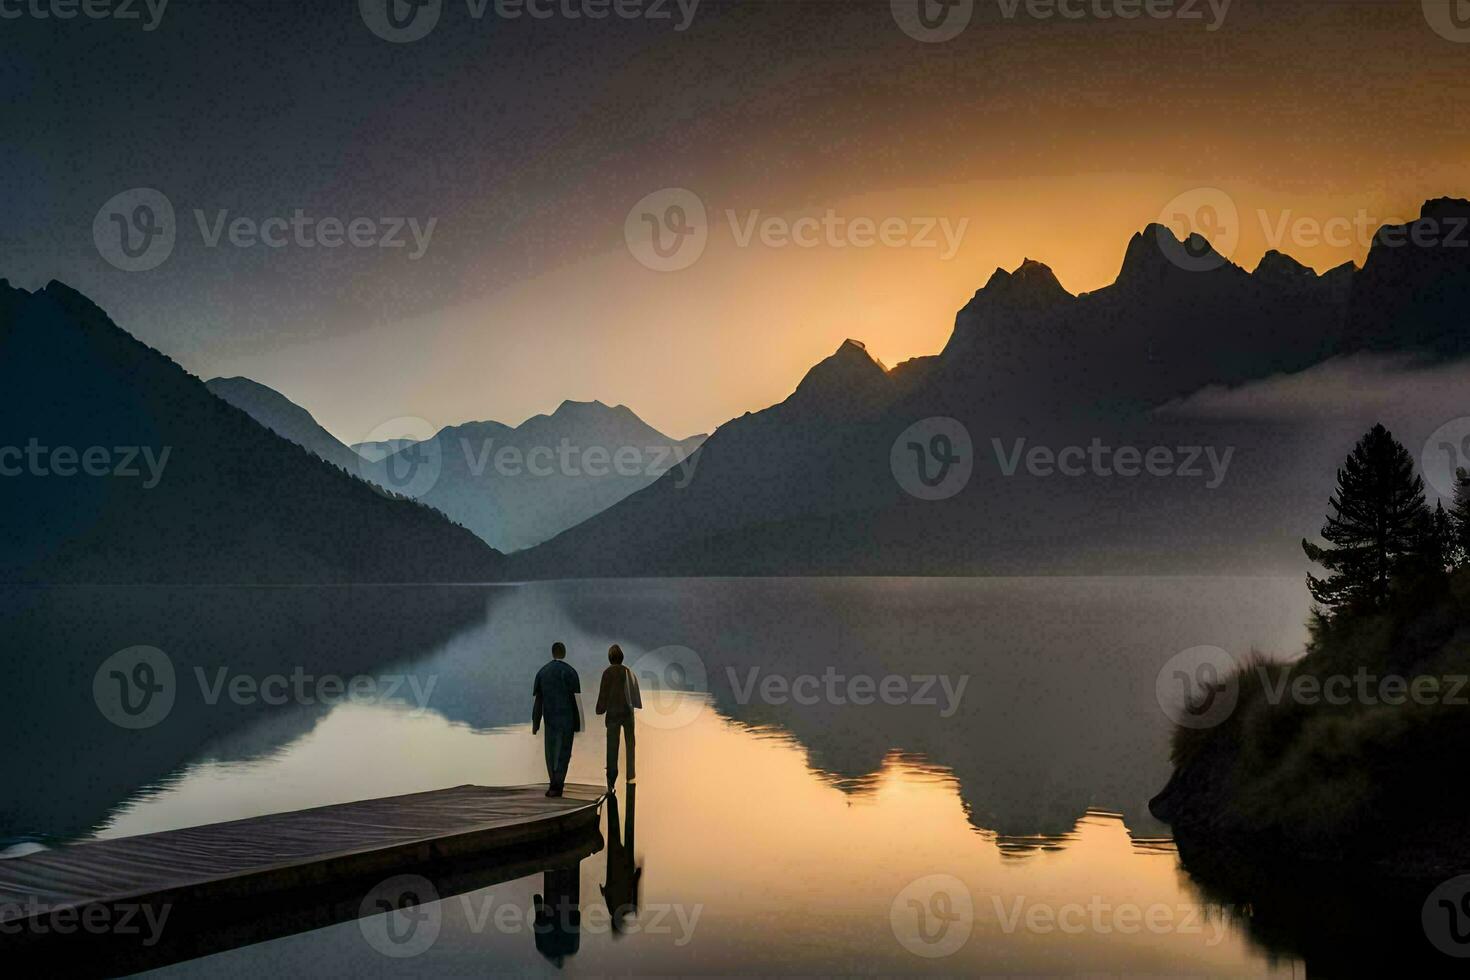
{"x":618,"y":698}
{"x":554,"y":701}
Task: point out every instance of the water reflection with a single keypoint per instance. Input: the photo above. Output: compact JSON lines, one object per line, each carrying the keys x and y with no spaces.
{"x":558,"y":914}
{"x":777,"y":834}
{"x":78,"y":768}
{"x":620,"y":891}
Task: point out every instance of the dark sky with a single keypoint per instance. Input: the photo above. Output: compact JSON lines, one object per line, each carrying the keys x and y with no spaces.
{"x":527,"y":141}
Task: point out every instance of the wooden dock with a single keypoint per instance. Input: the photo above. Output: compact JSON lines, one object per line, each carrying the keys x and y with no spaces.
{"x":229,"y":884}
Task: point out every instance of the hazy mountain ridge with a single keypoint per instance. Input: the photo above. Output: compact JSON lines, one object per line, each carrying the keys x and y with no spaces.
{"x":805,"y":487}
{"x":285,"y":418}
{"x":518,"y":486}
{"x":223,"y":499}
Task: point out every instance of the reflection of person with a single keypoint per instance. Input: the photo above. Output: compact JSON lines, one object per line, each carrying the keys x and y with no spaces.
{"x":617,"y":698}
{"x":558,"y":928}
{"x":555,"y":702}
{"x":621,"y":890}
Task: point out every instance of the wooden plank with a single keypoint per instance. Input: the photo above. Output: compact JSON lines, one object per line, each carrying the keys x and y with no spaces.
{"x":299,"y":849}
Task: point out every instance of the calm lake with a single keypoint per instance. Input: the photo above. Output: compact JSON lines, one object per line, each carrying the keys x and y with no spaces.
{"x":834,"y":775}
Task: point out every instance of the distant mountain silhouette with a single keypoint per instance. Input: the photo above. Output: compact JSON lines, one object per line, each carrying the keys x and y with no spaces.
{"x":518,"y":486}
{"x":374,"y":451}
{"x":194,"y":489}
{"x":807,"y":486}
{"x":285,"y":418}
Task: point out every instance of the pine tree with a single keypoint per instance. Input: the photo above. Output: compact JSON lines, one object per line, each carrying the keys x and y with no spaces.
{"x":1379,"y":531}
{"x":1460,"y":514}
{"x":1444,"y":549}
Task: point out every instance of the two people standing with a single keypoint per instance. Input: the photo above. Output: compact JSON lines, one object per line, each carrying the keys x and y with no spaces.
{"x":554,"y":701}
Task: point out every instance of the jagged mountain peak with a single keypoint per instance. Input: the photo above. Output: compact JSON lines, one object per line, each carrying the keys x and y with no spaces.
{"x":1031,"y":283}
{"x":1445,"y":207}
{"x":847,"y":378}
{"x":1277,"y":266}
{"x":1156,"y":252}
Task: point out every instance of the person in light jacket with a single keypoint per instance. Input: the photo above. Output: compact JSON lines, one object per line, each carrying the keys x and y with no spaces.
{"x":617,"y":699}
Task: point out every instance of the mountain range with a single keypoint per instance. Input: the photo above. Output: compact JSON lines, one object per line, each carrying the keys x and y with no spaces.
{"x":809,"y":486}
{"x":120,"y":467}
{"x":822,"y":483}
{"x":513,"y":486}
{"x":517,"y":486}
